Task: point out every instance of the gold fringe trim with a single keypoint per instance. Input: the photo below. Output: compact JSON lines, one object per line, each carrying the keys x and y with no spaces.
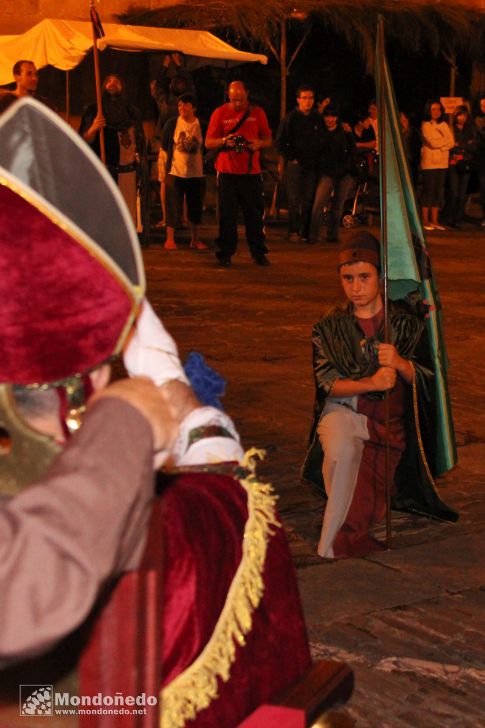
{"x":196,"y":687}
{"x":418,"y":432}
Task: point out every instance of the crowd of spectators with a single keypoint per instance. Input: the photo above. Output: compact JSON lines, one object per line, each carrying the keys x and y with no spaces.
{"x":323,"y":157}
{"x":324,"y":162}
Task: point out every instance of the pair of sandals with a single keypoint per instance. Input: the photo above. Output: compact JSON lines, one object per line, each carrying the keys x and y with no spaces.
{"x":195,"y":244}
{"x":433,"y":226}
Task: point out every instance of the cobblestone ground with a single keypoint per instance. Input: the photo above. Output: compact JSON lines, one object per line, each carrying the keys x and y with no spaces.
{"x":411,"y":621}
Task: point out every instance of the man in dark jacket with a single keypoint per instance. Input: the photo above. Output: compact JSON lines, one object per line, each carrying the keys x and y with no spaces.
{"x":299,"y":143}
{"x":336,"y":173}
{"x":123,"y":136}
{"x":353,"y":369}
{"x":173,"y":80}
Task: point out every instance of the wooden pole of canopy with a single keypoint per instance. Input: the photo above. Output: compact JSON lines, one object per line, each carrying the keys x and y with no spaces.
{"x":97,"y":79}
{"x":68,"y":97}
{"x":283,"y":68}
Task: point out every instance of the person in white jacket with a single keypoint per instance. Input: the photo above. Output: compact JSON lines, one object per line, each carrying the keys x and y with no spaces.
{"x":437,"y":142}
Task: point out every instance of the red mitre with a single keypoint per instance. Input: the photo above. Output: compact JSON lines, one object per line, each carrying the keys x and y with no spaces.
{"x":63,"y":310}
{"x":67,"y":302}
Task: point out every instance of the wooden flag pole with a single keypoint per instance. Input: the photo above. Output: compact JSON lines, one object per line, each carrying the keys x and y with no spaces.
{"x":272,"y":209}
{"x":385,"y":273}
{"x":97,"y":78}
{"x":68,"y":98}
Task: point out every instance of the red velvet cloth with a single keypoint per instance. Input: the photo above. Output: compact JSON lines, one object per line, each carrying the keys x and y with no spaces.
{"x":369,"y":502}
{"x":204,"y":519}
{"x":273,"y":716}
{"x":62,"y":309}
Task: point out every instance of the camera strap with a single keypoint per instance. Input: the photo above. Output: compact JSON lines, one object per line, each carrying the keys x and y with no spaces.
{"x":239,"y":123}
{"x":235,"y":128}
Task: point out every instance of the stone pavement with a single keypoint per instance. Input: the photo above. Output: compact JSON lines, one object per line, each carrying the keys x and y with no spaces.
{"x":410,"y":621}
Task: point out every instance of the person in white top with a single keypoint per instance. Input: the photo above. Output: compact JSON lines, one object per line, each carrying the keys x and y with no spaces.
{"x":182,"y":140}
{"x":437,"y":142}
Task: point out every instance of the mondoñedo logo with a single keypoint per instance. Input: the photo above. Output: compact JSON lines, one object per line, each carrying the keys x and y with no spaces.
{"x":36,"y":699}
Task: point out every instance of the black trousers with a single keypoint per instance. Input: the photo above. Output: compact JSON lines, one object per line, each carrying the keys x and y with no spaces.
{"x":432,"y":194}
{"x":301,"y":183}
{"x":243,"y":191}
{"x":192,"y":188}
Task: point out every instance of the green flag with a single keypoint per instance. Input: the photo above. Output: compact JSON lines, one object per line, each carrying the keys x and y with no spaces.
{"x":408,"y":266}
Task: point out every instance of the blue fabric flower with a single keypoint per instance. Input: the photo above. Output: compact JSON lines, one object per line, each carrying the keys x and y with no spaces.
{"x":207,"y":384}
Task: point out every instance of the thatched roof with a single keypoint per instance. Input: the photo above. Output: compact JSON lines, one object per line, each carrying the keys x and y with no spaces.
{"x":415,"y":24}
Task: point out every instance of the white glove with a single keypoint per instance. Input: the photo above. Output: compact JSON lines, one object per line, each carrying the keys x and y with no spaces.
{"x":218,"y":448}
{"x":151,"y":351}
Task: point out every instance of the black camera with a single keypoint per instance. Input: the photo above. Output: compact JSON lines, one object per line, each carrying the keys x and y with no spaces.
{"x":240,"y":143}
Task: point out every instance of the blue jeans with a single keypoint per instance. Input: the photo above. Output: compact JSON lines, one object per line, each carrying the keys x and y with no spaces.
{"x":300,"y":189}
{"x":342,"y":187}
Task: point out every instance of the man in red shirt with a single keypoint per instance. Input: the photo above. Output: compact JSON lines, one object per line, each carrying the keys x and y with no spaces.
{"x":238,"y":131}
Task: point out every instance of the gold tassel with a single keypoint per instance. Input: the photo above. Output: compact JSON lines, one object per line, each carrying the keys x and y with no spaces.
{"x":196,"y":687}
{"x":418,"y":433}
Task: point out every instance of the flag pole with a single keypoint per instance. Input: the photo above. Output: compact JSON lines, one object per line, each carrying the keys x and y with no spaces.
{"x":97,"y":78}
{"x":385,"y":272}
{"x":68,"y":98}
